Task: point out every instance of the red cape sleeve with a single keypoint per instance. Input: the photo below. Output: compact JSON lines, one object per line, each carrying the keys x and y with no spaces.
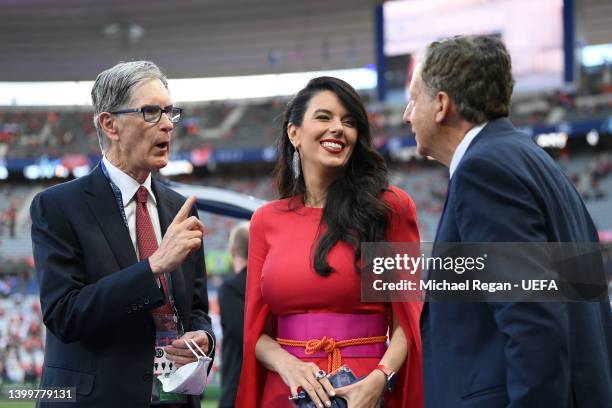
{"x":403,"y":228}
{"x":256,"y":312}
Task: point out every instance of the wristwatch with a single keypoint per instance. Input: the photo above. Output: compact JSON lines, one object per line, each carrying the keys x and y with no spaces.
{"x":390,"y":374}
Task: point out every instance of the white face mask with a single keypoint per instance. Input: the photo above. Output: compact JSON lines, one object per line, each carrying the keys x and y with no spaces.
{"x":190,"y":378}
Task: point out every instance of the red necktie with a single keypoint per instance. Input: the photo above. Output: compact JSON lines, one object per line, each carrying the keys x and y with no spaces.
{"x":146,"y":240}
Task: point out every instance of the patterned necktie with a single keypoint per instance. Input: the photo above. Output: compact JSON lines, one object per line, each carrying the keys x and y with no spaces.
{"x":146,"y":240}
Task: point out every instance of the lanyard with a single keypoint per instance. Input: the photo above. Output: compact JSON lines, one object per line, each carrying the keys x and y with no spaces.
{"x":116,"y":193}
{"x":119,"y":200}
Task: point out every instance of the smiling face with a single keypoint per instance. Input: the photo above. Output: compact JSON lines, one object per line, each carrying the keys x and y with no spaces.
{"x":140,"y":147}
{"x":326,"y":137}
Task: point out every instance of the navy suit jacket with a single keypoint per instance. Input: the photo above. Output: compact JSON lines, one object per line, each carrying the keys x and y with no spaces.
{"x":231,"y":306}
{"x":97,"y":298}
{"x":507,"y":189}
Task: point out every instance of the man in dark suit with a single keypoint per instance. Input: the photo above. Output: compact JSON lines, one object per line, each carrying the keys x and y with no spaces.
{"x":502,"y":188}
{"x":231,"y":304}
{"x":119,"y":256}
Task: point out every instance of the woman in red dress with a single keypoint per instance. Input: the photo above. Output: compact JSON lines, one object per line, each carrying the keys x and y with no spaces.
{"x":303,"y":313}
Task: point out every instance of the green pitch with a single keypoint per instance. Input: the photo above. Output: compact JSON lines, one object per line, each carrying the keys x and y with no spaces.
{"x":205,"y":404}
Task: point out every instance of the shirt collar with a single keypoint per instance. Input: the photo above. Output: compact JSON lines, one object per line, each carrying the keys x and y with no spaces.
{"x":463,"y":146}
{"x":126,"y":184}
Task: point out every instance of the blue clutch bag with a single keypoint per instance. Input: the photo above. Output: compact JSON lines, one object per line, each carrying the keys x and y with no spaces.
{"x":339,"y":378}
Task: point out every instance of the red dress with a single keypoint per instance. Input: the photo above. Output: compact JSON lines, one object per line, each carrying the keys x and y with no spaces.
{"x":282,"y":281}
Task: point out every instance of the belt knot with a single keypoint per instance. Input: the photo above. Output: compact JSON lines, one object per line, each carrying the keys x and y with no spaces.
{"x":327,"y":344}
{"x":331,"y":347}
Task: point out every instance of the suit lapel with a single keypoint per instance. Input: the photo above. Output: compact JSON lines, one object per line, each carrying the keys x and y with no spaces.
{"x":167,"y":209}
{"x":101,"y":200}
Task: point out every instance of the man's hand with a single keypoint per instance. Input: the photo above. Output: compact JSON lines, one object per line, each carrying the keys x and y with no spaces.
{"x":183,"y":235}
{"x":180,"y":353}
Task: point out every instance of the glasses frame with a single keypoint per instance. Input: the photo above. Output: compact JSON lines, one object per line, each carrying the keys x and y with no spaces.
{"x":167,"y":110}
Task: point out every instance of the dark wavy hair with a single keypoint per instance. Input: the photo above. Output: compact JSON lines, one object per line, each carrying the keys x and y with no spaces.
{"x":354,"y":210}
{"x":475,"y":71}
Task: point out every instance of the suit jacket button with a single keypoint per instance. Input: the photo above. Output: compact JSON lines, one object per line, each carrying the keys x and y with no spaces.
{"x":146,"y":301}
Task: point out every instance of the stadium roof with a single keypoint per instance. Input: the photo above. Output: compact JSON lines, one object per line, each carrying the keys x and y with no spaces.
{"x":69,"y":40}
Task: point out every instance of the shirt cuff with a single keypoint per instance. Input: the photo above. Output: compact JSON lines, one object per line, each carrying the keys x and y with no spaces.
{"x":211,"y":342}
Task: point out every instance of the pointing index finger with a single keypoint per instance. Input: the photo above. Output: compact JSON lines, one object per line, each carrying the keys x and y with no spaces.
{"x":183,"y":213}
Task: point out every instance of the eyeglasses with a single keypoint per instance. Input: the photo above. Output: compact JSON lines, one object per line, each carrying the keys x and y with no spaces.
{"x":152,"y":113}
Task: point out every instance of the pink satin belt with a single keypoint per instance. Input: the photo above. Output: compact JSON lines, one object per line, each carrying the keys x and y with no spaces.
{"x":339,"y":326}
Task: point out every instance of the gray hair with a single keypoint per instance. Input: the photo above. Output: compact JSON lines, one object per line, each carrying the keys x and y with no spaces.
{"x":475,"y":71}
{"x":113,"y":89}
{"x":239,"y":239}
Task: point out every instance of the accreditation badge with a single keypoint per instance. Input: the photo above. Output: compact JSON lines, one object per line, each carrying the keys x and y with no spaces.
{"x":167,"y":330}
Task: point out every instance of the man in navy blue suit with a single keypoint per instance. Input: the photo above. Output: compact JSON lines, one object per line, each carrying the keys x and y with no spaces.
{"x":502,"y":188}
{"x":231,"y":307}
{"x":119,"y":256}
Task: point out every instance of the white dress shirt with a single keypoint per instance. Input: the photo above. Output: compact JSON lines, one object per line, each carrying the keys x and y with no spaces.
{"x":463,"y":146}
{"x":128,"y":187}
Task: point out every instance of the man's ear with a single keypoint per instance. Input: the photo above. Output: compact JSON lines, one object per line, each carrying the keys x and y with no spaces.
{"x":108,"y":123}
{"x":444,"y":105}
{"x":293,"y":136}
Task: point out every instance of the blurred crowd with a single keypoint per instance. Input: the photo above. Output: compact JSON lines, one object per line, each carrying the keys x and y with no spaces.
{"x":588,"y":179}
{"x":21,"y":339}
{"x":228,"y":125}
{"x":11,"y":199}
{"x":48,"y":133}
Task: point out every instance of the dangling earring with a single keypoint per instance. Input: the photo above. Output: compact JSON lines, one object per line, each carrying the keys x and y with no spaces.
{"x":296,"y":164}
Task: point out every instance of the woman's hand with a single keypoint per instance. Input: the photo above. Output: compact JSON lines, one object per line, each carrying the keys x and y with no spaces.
{"x":366,"y":393}
{"x":296,"y":373}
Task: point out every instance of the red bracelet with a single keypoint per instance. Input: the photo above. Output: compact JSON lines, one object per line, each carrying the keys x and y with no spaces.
{"x":389,"y":374}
